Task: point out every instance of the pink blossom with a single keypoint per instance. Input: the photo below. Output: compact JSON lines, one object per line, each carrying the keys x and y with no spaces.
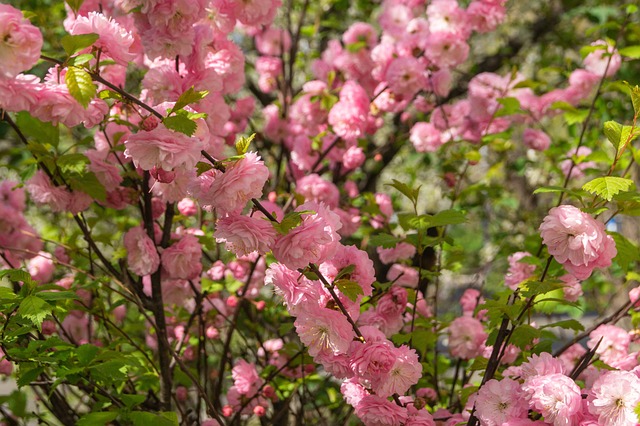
{"x":541,"y":365}
{"x":446,"y":16}
{"x":42,"y":191}
{"x":182,"y":259}
{"x":470,"y":300}
{"x":41,"y":268}
{"x":372,"y":360}
{"x":614,"y":345}
{"x":269,"y":68}
{"x":376,"y":411}
{"x":499,"y":402}
{"x":256,"y":12}
{"x":577,"y":241}
{"x":6,"y":367}
{"x":291,"y":285}
{"x":401,"y":251}
{"x":229,"y":191}
{"x":142,"y":256}
{"x":272,"y":41}
{"x":614,"y":397}
{"x":163,"y":148}
{"x":12,"y":195}
{"x":323,"y":331}
{"x":19,"y":93}
{"x":363,"y":272}
{"x":246,"y":378}
{"x":403,"y":275}
{"x":114,"y":40}
{"x":314,"y":188}
{"x":20,"y":43}
{"x":572,"y":289}
{"x":187,"y":207}
{"x":405,"y":372}
{"x":405,"y":76}
{"x":536,"y":139}
{"x":596,"y":62}
{"x":446,"y":49}
{"x":579,"y":165}
{"x":353,"y":158}
{"x":518,"y":271}
{"x":485,"y":15}
{"x":244,"y":234}
{"x":313,"y":241}
{"x":466,"y":337}
{"x":102,"y":164}
{"x":360,"y":32}
{"x":556,"y":397}
{"x":425,"y":137}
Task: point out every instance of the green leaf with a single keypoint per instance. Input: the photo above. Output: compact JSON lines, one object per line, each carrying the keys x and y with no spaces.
{"x":94,"y":419}
{"x":72,"y":163}
{"x":406,"y":190}
{"x":524,"y":335}
{"x":80,"y":85}
{"x":627,"y":252}
{"x":448,"y":217}
{"x":290,"y":221}
{"x":132,"y":400}
{"x":180,"y":123}
{"x":535,"y":288}
{"x":620,"y":136}
{"x":143,"y":418}
{"x":109,"y":94}
{"x":634,"y":92}
{"x":576,"y":115}
{"x":632,"y":52}
{"x":608,"y":186}
{"x":80,"y":59}
{"x":39,"y":130}
{"x":510,"y":106}
{"x":26,"y":376}
{"x":190,"y":96}
{"x":75,"y":5}
{"x":349,"y":288}
{"x":89,"y":184}
{"x":72,"y":44}
{"x":203,"y":167}
{"x":555,"y":189}
{"x":384,"y":240}
{"x":34,"y":309}
{"x":86,"y":354}
{"x":356,"y":47}
{"x":569,"y":324}
{"x":18,"y":275}
{"x":346,"y":272}
{"x":243,"y":144}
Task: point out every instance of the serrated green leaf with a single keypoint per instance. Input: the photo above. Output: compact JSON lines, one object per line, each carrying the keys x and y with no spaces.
{"x":406,"y":190}
{"x":72,"y":44}
{"x":72,"y":163}
{"x":448,"y":217}
{"x":634,"y":92}
{"x":180,"y":123}
{"x":109,"y":94}
{"x":90,"y":185}
{"x":632,"y":52}
{"x":510,"y":106}
{"x":310,"y":275}
{"x":80,"y":85}
{"x":627,"y":252}
{"x":608,"y":186}
{"x":86,"y":353}
{"x":143,"y":418}
{"x":34,"y":309}
{"x":620,"y":136}
{"x":95,"y":419}
{"x":524,"y":335}
{"x":613,"y":130}
{"x":349,"y":288}
{"x":569,"y":324}
{"x":346,"y":272}
{"x":17,"y":275}
{"x":26,"y":376}
{"x":384,"y":240}
{"x":577,"y":115}
{"x":535,"y":288}
{"x":74,"y":5}
{"x":190,"y":96}
{"x":132,"y":400}
{"x":243,"y":144}
{"x":39,"y":130}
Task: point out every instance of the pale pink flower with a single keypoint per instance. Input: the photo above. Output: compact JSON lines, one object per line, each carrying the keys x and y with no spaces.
{"x":229,"y":191}
{"x":518,"y":271}
{"x":272,"y":41}
{"x":142,"y":256}
{"x":163,"y":148}
{"x":353,"y":158}
{"x":114,"y":40}
{"x":405,"y":76}
{"x":372,"y":360}
{"x":614,"y":397}
{"x":244,"y":234}
{"x":323,"y":331}
{"x":352,"y":391}
{"x":401,"y":251}
{"x":466,"y":337}
{"x":571,"y":356}
{"x":541,"y":365}
{"x":405,"y":372}
{"x":446,"y":16}
{"x":41,"y":268}
{"x":614,"y":345}
{"x":446,"y":49}
{"x":102,"y":164}
{"x":20,"y":42}
{"x":403,"y":275}
{"x":499,"y":402}
{"x":246,"y":378}
{"x":373,"y":410}
{"x":577,"y":241}
{"x":485,"y":15}
{"x":187,"y":207}
{"x":596,"y":61}
{"x":19,"y":93}
{"x":536,"y":139}
{"x":269,"y":68}
{"x":12,"y":195}
{"x":256,"y":12}
{"x":292,"y":286}
{"x":42,"y":191}
{"x":572,"y":289}
{"x":314,"y":188}
{"x":363,"y":272}
{"x":556,"y":397}
{"x":313,"y":241}
{"x":182,"y":259}
{"x":360,"y":32}
{"x":425,"y":137}
{"x":578,"y":168}
{"x":470,"y":300}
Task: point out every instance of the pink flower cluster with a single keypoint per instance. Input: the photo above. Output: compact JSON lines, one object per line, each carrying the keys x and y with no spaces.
{"x":577,"y":241}
{"x":18,"y":239}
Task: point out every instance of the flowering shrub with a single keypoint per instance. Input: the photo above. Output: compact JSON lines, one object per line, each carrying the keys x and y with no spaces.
{"x":216,"y":210}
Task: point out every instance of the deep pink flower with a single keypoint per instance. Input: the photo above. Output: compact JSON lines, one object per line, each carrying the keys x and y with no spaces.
{"x":376,"y":411}
{"x":323,"y":331}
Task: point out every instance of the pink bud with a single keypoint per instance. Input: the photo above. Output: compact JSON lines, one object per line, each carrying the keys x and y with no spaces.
{"x":227,"y":411}
{"x":232,"y":301}
{"x":181,"y":393}
{"x":259,"y":411}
